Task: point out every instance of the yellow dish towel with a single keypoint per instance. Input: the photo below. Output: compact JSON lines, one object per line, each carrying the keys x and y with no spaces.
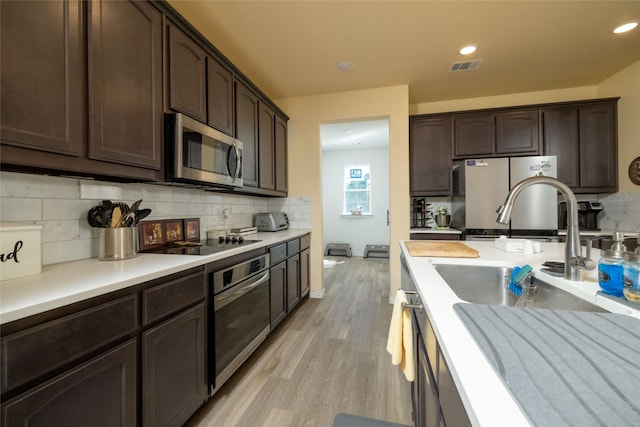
{"x":400,"y":340}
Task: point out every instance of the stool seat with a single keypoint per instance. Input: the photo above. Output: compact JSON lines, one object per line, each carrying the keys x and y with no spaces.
{"x":338,"y":249}
{"x":376,"y":251}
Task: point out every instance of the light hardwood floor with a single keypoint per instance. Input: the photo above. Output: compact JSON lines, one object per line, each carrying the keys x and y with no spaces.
{"x":328,"y":356}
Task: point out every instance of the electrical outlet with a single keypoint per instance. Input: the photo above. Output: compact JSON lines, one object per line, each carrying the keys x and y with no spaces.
{"x":225,"y":213}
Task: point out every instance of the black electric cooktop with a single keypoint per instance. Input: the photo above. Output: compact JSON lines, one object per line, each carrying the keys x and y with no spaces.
{"x":204,"y":247}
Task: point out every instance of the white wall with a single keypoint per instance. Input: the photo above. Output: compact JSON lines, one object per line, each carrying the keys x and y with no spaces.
{"x":306,"y":114}
{"x":355,"y":230}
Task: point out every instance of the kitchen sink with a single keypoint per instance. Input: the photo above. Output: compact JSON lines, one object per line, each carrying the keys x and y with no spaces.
{"x":488,"y":285}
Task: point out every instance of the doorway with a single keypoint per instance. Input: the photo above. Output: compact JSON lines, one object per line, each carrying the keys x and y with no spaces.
{"x":355,"y":183}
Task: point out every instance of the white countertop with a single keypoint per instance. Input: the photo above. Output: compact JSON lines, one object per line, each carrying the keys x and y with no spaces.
{"x":70,"y":282}
{"x":435,"y":231}
{"x":488,"y":402}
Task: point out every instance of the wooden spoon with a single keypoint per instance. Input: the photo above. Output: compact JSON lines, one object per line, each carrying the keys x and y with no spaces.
{"x":116,"y":216}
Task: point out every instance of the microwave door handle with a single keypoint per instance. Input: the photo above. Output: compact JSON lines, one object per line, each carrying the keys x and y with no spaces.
{"x":238,"y":161}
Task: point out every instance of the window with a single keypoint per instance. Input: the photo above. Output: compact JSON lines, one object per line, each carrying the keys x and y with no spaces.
{"x":357,"y":189}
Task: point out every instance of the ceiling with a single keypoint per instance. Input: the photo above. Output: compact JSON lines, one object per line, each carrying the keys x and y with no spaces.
{"x":292,"y":48}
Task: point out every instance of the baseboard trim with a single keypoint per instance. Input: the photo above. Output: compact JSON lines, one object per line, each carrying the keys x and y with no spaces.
{"x":317,"y":295}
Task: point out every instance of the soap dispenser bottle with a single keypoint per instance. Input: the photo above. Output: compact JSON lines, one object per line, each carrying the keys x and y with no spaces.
{"x":631,"y":280}
{"x":611,"y":267}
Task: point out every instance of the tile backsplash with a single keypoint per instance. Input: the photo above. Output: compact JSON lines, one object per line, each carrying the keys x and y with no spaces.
{"x":61,"y":206}
{"x":621,"y":211}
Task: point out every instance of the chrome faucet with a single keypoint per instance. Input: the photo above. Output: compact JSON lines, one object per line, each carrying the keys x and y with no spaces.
{"x":574,"y":262}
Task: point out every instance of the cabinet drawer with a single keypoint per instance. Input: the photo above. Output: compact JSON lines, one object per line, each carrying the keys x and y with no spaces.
{"x":293,"y":247}
{"x":278,"y":253}
{"x":173,"y":296}
{"x":305,"y":241}
{"x":36,"y":351}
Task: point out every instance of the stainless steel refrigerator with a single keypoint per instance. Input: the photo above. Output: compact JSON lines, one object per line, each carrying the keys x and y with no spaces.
{"x":481,"y":185}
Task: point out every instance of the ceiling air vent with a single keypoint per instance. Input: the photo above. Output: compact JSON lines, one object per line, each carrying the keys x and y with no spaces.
{"x":465,"y":65}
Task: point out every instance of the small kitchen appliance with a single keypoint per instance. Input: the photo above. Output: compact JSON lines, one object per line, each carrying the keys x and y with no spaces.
{"x":198,"y":154}
{"x":271,"y":221}
{"x":587,"y":215}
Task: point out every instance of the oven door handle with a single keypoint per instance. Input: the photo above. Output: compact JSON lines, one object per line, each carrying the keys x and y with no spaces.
{"x":233,"y":294}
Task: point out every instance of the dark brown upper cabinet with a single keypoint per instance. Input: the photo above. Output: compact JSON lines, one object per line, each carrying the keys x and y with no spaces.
{"x":247,"y":132}
{"x":187,"y":75}
{"x":517,"y":132}
{"x":219,"y":96}
{"x":82,"y":88}
{"x":199,"y":85}
{"x":125,"y":83}
{"x":495,"y":134}
{"x":281,"y":155}
{"x":430,"y":155}
{"x":266,"y":146}
{"x":474,"y":135}
{"x":43,"y":100}
{"x":583,"y":136}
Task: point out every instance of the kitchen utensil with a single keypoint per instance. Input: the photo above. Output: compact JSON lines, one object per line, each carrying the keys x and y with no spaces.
{"x":127,"y":219}
{"x":94,"y":217}
{"x":116,"y":216}
{"x":134,"y":207}
{"x":440,"y":249}
{"x":141,"y":214}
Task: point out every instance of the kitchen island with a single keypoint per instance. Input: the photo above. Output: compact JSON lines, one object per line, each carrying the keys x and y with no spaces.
{"x":486,"y":399}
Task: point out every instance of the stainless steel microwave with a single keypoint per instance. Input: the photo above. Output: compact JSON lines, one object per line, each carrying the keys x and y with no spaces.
{"x":198,"y":154}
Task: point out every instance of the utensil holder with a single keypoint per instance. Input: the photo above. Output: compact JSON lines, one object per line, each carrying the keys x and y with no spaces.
{"x":118,"y":244}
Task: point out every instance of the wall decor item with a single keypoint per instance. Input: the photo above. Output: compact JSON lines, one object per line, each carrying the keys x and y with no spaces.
{"x":192,"y":229}
{"x":151,"y":234}
{"x":634,"y":171}
{"x":173,"y":230}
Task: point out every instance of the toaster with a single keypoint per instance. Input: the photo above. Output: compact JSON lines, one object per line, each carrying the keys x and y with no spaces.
{"x":271,"y":221}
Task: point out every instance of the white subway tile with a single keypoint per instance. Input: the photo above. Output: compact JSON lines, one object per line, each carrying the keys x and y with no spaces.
{"x":20,"y":209}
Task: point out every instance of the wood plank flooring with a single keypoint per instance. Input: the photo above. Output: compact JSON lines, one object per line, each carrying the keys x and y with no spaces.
{"x":328,"y":356}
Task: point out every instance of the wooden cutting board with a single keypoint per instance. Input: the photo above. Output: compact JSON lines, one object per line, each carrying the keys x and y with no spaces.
{"x":440,"y":249}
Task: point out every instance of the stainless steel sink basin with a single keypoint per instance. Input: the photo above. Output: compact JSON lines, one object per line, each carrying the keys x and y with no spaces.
{"x":488,"y":285}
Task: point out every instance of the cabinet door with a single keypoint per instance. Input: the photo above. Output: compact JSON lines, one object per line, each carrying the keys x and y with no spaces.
{"x":305,"y":281}
{"x":187,"y":75}
{"x":219,"y":97}
{"x":125,"y":83}
{"x":278,"y":293}
{"x":473,"y":135}
{"x":451,"y":404}
{"x":281,"y":155}
{"x":517,"y":132}
{"x":43,"y":100}
{"x":247,"y":131}
{"x":266,"y":146}
{"x":430,"y":156}
{"x":560,"y":138}
{"x":174,"y":383}
{"x":100,"y":392}
{"x":598,"y":148}
{"x":293,"y":282}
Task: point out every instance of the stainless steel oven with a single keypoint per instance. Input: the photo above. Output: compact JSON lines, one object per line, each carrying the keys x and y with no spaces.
{"x":240,"y":316}
{"x":198,"y":154}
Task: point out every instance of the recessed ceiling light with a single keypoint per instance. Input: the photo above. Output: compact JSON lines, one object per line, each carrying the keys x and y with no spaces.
{"x":344,"y":66}
{"x":466,"y":50}
{"x":626,"y":27}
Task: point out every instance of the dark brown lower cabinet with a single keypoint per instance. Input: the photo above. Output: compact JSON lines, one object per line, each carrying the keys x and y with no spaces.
{"x":173,"y":369}
{"x":101,"y":391}
{"x":278,"y":289}
{"x":293,"y":281}
{"x":424,"y":394}
{"x":305,"y":280}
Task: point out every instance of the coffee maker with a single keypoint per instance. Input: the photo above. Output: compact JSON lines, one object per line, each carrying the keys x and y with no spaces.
{"x":587,"y":215}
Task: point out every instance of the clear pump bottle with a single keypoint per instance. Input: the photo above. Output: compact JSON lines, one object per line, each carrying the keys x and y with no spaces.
{"x":611,"y":267}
